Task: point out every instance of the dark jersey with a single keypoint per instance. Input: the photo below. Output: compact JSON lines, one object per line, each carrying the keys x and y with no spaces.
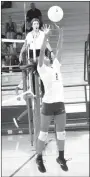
{"x":33,"y":14}
{"x":10,"y":28}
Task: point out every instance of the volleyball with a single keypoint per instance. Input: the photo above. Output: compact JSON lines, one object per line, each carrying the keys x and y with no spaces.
{"x":55,"y":13}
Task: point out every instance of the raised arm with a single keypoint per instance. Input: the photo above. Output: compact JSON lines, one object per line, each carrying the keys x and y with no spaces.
{"x":42,"y":51}
{"x":59,"y":45}
{"x":48,"y":46}
{"x":43,"y":47}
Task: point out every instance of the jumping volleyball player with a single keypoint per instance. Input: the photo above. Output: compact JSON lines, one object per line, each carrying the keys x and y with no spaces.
{"x":52,"y":105}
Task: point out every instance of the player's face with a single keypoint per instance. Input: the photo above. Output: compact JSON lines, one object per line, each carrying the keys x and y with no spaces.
{"x":35,"y":25}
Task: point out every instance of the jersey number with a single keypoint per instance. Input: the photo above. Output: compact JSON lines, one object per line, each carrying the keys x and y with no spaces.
{"x":56,"y":76}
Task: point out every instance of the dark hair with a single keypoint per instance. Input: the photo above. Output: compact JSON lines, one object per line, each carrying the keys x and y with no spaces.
{"x":3,"y":36}
{"x":27,"y":19}
{"x":47,"y":53}
{"x":19,"y":33}
{"x":3,"y":58}
{"x":32,"y":3}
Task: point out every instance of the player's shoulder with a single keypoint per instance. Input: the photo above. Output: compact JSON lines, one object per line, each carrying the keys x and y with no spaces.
{"x":42,"y":32}
{"x":29,"y":35}
{"x":56,"y":61}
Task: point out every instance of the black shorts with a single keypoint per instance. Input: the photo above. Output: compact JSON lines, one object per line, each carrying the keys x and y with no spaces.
{"x":31,"y":53}
{"x":53,"y":108}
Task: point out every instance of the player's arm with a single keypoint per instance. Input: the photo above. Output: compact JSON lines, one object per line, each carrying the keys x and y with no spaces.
{"x":60,"y":45}
{"x":23,"y":49}
{"x":49,"y":46}
{"x":51,"y":51}
{"x":44,"y":28}
{"x":44,"y":43}
{"x":42,"y":51}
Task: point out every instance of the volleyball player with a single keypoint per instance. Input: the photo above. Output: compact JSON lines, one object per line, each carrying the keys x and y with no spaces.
{"x":33,"y":42}
{"x":52,"y":105}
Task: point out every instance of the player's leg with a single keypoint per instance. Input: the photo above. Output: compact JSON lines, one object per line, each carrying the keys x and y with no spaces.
{"x":20,"y":86}
{"x":60,"y":121}
{"x":45,"y":122}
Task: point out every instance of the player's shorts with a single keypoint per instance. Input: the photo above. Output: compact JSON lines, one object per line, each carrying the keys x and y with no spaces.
{"x":53,"y":108}
{"x":31,"y":53}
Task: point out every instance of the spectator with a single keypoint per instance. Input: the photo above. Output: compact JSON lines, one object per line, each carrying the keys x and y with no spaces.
{"x":4,"y":64}
{"x":19,"y":35}
{"x":13,"y":56}
{"x":3,"y":48}
{"x":18,"y":46}
{"x":3,"y":61}
{"x":3,"y":36}
{"x":34,"y":13}
{"x":10,"y":29}
{"x":5,"y":52}
{"x":6,"y":4}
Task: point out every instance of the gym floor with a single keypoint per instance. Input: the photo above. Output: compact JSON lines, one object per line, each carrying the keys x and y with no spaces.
{"x":18,"y":156}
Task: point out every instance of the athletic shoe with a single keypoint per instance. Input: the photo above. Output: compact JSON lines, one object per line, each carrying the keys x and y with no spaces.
{"x":62,"y":163}
{"x":16,"y":122}
{"x":41,"y":166}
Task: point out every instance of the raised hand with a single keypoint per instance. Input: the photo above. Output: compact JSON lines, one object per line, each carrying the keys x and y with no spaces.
{"x":46,"y":29}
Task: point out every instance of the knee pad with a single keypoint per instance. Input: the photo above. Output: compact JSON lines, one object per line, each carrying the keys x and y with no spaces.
{"x":61,"y":135}
{"x":43,"y":136}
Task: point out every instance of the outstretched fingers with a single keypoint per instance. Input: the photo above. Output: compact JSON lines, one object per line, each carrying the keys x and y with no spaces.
{"x":46,"y":29}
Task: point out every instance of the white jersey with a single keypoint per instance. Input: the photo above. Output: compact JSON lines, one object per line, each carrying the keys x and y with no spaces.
{"x":52,"y":80}
{"x":35,"y":42}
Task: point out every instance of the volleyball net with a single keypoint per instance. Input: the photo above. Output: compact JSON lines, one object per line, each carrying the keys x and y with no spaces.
{"x":12,"y":40}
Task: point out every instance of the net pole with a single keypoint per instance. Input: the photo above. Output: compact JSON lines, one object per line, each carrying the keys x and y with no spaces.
{"x":29,"y":100}
{"x":29,"y":107}
{"x":37,"y":110}
{"x":36,"y":117}
{"x":25,"y":16}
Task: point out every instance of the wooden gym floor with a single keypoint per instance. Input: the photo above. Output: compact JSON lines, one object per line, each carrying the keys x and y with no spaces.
{"x":18,"y":157}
